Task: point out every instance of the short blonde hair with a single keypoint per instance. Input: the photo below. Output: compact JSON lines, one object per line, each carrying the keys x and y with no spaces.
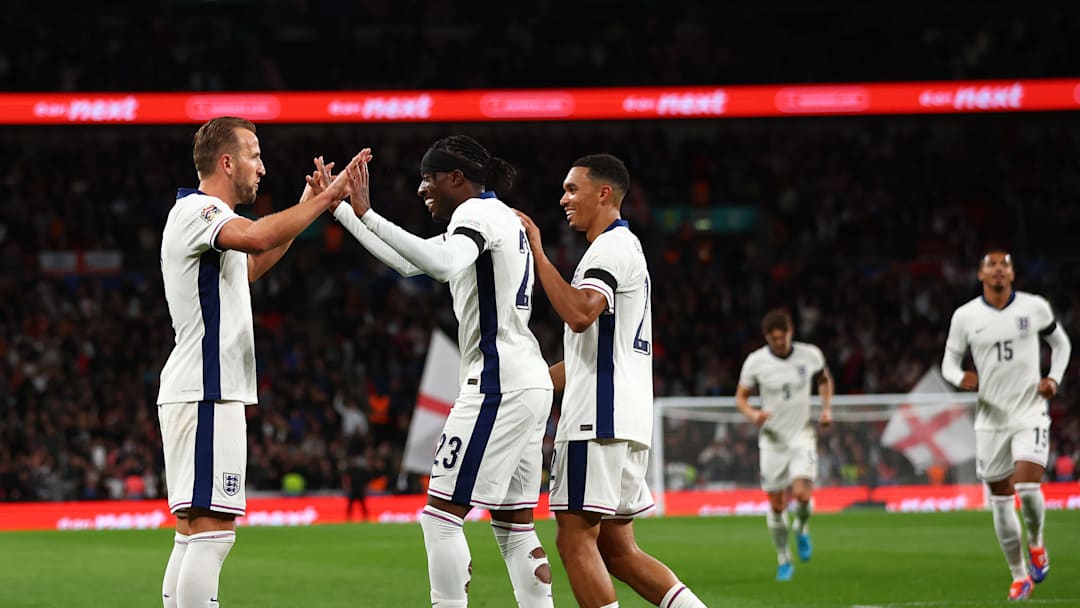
{"x":214,"y":138}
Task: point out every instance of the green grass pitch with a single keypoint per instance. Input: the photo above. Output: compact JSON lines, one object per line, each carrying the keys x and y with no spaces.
{"x":861,"y":559}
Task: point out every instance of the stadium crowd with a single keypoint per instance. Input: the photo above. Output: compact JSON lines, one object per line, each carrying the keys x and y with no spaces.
{"x":208,"y":46}
{"x":868,"y":229}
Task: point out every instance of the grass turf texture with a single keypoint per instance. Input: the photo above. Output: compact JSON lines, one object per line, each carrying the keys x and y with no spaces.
{"x":861,"y":559}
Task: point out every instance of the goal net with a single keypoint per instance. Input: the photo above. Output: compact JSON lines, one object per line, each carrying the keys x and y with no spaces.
{"x":704,"y":443}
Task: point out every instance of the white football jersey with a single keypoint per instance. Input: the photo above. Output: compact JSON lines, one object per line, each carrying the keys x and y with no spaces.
{"x":209,"y":300}
{"x":493,"y":302}
{"x":609,"y":381}
{"x":1005,"y":347}
{"x":785,"y":384}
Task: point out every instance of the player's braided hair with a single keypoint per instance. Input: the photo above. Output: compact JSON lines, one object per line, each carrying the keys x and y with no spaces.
{"x":498,"y":174}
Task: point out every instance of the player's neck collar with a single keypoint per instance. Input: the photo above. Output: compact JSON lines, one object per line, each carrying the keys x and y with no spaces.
{"x":616,"y":224}
{"x":1012,"y":296}
{"x":182,"y":192}
{"x":487,"y":194}
{"x":790,"y":352}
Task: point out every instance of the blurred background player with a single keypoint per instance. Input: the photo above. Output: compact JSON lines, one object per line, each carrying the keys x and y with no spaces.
{"x":489,"y":454}
{"x":209,"y":257}
{"x":784,"y":372}
{"x":355,"y":483}
{"x":1002,"y":328}
{"x":603,"y":437}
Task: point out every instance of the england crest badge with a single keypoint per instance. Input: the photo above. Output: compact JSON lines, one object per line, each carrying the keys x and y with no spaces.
{"x":232,"y":483}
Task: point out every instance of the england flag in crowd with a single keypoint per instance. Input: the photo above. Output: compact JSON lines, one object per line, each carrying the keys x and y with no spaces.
{"x":939,"y":433}
{"x":438,"y":389}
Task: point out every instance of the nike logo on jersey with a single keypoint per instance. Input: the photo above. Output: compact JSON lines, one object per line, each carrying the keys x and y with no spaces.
{"x":438,"y":476}
{"x":980,"y":329}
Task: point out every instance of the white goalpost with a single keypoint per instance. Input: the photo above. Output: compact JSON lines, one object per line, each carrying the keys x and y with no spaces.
{"x":685,"y":427}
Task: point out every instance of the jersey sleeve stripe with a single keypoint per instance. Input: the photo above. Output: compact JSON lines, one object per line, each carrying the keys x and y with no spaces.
{"x":603,"y":275}
{"x":472,"y":234}
{"x":217,"y":230}
{"x":1049,"y":329}
{"x":605,"y":378}
{"x":602,"y":288}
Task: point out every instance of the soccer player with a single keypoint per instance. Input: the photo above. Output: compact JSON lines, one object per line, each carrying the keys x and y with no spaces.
{"x":784,"y":372}
{"x":1002,"y":328}
{"x":490,"y":451}
{"x":603,"y":438}
{"x":209,"y":255}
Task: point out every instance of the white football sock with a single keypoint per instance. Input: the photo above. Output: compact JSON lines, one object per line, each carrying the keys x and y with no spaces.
{"x":517,"y":542}
{"x":197,"y":584}
{"x":802,"y":516}
{"x":449,"y":560}
{"x":680,"y":596}
{"x":1033,"y":507}
{"x":611,"y":605}
{"x":1007,"y":527}
{"x":172,"y":570}
{"x":779,"y":529}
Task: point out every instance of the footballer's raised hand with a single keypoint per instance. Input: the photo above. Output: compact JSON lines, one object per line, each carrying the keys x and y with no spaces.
{"x":361,"y":194}
{"x":317,"y":182}
{"x":532,"y":232}
{"x":342,"y":185}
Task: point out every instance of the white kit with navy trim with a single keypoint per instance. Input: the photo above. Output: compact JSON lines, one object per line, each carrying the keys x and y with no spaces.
{"x":209,"y":377}
{"x":493,"y":302}
{"x":1005,"y":347}
{"x":785,"y":384}
{"x":209,"y":300}
{"x":609,"y":376}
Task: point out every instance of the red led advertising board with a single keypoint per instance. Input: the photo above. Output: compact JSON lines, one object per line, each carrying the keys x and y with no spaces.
{"x":652,"y":103}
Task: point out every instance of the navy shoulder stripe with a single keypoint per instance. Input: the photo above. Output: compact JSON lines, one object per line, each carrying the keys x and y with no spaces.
{"x":1049,"y":329}
{"x":472,"y":234}
{"x":603,"y":275}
